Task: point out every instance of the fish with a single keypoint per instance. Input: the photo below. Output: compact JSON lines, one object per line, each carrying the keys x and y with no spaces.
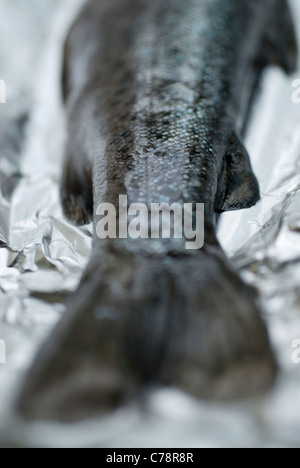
{"x":157,"y":95}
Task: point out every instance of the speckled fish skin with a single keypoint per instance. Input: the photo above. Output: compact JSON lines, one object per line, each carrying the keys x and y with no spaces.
{"x":155,"y":93}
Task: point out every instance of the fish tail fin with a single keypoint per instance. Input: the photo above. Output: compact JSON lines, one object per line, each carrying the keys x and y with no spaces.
{"x":79,"y":373}
{"x":188,"y":322}
{"x":218,"y":345}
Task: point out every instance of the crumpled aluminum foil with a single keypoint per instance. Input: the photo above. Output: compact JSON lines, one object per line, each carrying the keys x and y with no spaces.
{"x":42,"y":256}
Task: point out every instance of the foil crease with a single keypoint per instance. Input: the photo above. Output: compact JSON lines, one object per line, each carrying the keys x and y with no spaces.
{"x":42,"y":256}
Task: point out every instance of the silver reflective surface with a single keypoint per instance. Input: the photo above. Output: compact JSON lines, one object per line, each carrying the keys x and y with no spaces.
{"x":42,"y":256}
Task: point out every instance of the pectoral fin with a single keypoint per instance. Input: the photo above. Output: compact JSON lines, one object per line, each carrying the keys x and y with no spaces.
{"x":241,"y":186}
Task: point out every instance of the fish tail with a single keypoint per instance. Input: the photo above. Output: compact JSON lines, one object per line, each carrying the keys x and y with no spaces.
{"x":187,"y":322}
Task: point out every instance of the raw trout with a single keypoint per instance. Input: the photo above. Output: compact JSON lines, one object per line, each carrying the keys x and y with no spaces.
{"x":157,"y":93}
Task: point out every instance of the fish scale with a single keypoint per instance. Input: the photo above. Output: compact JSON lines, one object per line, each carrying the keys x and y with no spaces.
{"x":168,"y":85}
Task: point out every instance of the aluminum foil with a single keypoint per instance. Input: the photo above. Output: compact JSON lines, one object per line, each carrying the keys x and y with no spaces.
{"x":42,"y":256}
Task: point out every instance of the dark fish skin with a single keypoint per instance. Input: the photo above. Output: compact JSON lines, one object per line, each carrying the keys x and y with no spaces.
{"x":155,"y":94}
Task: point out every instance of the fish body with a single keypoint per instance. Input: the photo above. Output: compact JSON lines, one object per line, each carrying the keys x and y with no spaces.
{"x":156,"y":95}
